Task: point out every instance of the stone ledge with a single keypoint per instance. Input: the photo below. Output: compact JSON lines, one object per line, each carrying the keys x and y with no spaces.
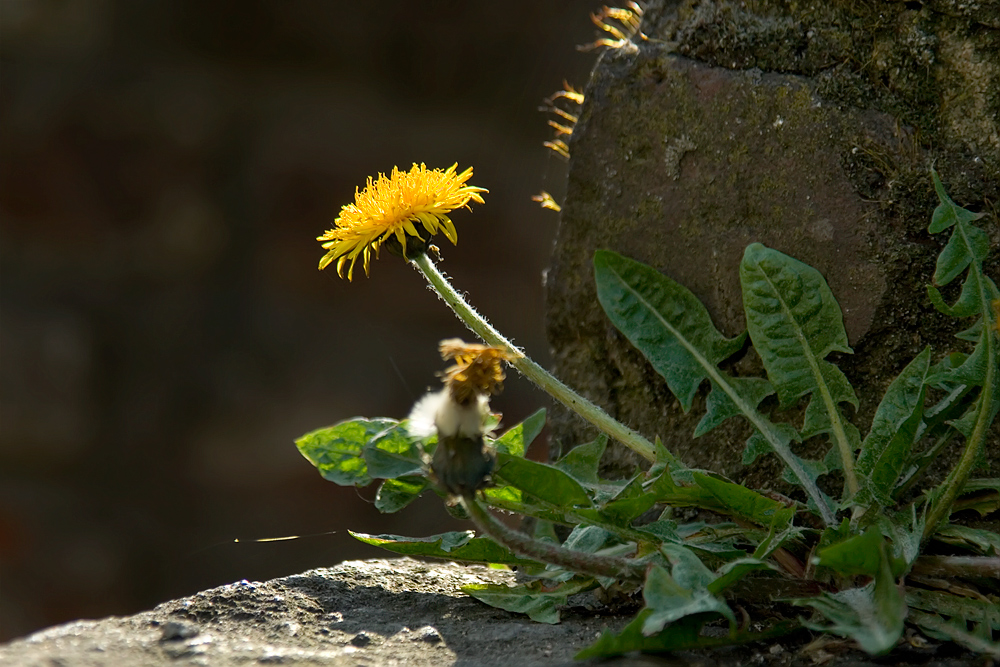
{"x":375,"y":612}
{"x":391,"y":612}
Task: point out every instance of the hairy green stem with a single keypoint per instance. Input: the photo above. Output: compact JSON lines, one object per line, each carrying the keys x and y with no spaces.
{"x":613,"y":567}
{"x":528,"y":368}
{"x":941,"y":508}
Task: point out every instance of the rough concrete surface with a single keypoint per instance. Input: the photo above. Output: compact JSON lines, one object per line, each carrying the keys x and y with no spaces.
{"x":392,"y":612}
{"x":376,"y":612}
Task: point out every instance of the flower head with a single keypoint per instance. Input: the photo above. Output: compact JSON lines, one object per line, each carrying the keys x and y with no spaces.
{"x":392,"y":208}
{"x":477,"y":370}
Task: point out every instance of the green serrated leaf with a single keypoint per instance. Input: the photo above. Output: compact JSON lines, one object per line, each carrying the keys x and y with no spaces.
{"x":795,"y":322}
{"x":393,"y":453}
{"x":971,"y":610}
{"x":542,"y":481}
{"x":745,"y":503}
{"x":670,"y":601}
{"x":956,"y":631}
{"x":457,"y":546}
{"x":948,"y":212}
{"x":906,"y":530}
{"x":683,"y":635}
{"x":336,"y":450}
{"x":539,"y":600}
{"x":672,"y":329}
{"x":860,"y":554}
{"x":583,"y":461}
{"x":395,"y":494}
{"x":666,"y":490}
{"x":589,"y":539}
{"x":894,"y":429}
{"x":719,"y":407}
{"x":516,"y":440}
{"x":968,"y":244}
{"x":872,"y":616}
{"x":664,"y":320}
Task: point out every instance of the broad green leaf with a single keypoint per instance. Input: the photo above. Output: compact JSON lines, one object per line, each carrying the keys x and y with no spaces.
{"x":516,"y":440}
{"x":395,"y":494}
{"x":719,"y":406}
{"x":683,"y":635}
{"x":686,"y":568}
{"x":894,"y":428}
{"x":670,"y":601}
{"x":861,"y":554}
{"x":746,"y":503}
{"x":795,"y":322}
{"x":872,"y":616}
{"x":393,"y":453}
{"x":583,"y":461}
{"x":664,"y":320}
{"x":540,"y":601}
{"x":458,"y":546}
{"x":666,"y":490}
{"x":540,"y":480}
{"x":336,"y":450}
{"x":672,"y":329}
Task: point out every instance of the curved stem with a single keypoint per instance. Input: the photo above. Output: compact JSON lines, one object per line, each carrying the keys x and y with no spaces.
{"x":622,"y":569}
{"x":957,"y":566}
{"x":941,"y":508}
{"x":528,"y":368}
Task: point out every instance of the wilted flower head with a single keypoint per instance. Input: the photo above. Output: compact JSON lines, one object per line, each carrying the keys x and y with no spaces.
{"x":392,"y":208}
{"x":462,"y":460}
{"x":477,"y":370}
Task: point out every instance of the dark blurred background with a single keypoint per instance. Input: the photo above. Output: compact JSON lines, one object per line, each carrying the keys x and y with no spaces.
{"x":165,"y":167}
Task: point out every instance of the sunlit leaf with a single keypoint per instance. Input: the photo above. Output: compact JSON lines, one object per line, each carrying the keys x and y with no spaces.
{"x":395,"y":494}
{"x":336,"y":450}
{"x":516,"y":440}
{"x":458,"y":546}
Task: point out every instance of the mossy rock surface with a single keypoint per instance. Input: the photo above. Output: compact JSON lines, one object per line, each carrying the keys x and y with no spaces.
{"x":806,"y":127}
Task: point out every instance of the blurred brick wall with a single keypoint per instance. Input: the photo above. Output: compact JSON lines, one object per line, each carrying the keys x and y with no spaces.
{"x":164,"y":333}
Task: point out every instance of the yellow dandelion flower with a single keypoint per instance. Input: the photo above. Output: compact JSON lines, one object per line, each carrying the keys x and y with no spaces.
{"x":392,"y":208}
{"x":477,"y":370}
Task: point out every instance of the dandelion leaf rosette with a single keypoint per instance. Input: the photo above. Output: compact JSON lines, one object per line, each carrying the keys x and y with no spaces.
{"x":673,"y":330}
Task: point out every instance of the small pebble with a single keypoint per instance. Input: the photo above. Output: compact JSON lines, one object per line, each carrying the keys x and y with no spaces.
{"x":361,"y":639}
{"x":427,"y":634}
{"x":175,"y":630}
